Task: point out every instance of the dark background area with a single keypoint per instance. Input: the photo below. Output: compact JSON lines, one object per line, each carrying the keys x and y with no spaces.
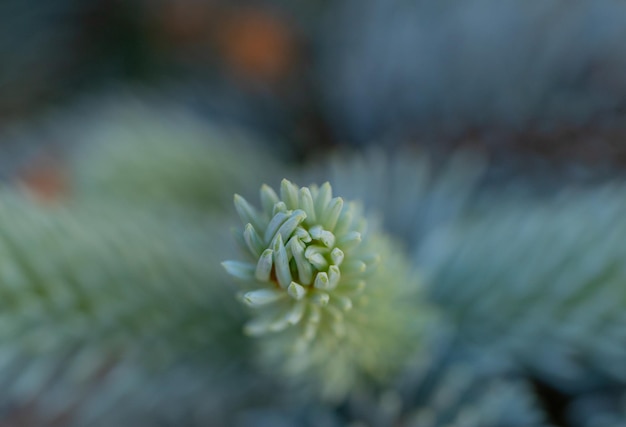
{"x":543,"y":83}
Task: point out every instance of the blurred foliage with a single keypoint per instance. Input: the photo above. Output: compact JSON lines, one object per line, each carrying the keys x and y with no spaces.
{"x":451,"y":67}
{"x":191,"y":166}
{"x":447,"y":384}
{"x":542,"y":281}
{"x":126,"y":127}
{"x":599,"y":409}
{"x":92,"y":290}
{"x":410,"y":191}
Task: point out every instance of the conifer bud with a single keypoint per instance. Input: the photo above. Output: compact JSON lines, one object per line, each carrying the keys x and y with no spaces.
{"x":328,"y":294}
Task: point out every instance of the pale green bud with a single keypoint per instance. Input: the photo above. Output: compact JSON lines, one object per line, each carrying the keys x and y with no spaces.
{"x":329,"y":295}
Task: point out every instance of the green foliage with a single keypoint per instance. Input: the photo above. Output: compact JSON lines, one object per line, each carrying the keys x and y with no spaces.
{"x":541,"y":281}
{"x":408,"y":190}
{"x":116,"y":307}
{"x":97,"y":300}
{"x":342,"y":300}
{"x":447,"y":384}
{"x":165,"y":158}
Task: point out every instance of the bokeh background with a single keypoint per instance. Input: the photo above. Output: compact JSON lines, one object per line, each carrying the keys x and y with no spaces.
{"x":487,"y":136}
{"x":542,"y":81}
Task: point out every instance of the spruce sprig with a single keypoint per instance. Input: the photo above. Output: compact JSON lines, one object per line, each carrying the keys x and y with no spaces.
{"x":330,"y":296}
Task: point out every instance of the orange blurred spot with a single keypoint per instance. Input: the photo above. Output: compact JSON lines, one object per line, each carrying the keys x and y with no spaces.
{"x":46,"y":179}
{"x":258,"y":45}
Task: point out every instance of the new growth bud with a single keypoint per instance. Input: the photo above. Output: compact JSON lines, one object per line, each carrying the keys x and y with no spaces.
{"x":297,"y":251}
{"x":328,"y":295}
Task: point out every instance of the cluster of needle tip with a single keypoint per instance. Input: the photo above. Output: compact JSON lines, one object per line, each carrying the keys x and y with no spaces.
{"x":307,"y":258}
